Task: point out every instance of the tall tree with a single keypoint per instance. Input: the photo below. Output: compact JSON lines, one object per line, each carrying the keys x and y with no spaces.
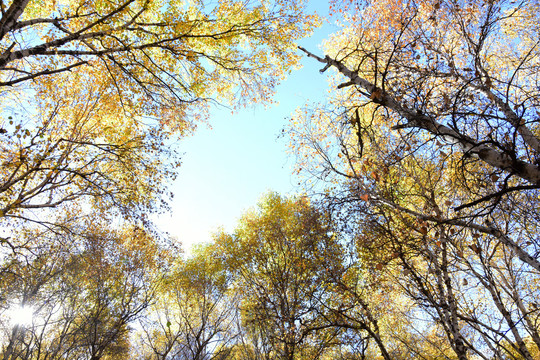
{"x":195,"y":312}
{"x":429,"y":142}
{"x":84,"y":292}
{"x":92,"y":90}
{"x":279,"y":255}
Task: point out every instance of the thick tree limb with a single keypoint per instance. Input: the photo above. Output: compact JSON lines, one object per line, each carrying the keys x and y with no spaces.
{"x":416,"y":119}
{"x":9,"y":19}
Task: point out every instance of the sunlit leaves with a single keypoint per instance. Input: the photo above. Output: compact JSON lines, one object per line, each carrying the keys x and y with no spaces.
{"x":102,"y":90}
{"x":157,"y":56}
{"x":281,"y":256}
{"x":429,"y":145}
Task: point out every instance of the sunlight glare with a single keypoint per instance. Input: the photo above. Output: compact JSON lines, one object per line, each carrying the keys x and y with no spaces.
{"x":21,"y":315}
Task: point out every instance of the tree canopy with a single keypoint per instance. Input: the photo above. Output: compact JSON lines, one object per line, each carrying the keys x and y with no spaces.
{"x":429,"y":145}
{"x":95,"y":92}
{"x":420,"y":241}
{"x":280,"y":255}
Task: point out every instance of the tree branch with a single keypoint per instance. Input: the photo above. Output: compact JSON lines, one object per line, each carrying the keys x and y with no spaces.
{"x":417,"y":119}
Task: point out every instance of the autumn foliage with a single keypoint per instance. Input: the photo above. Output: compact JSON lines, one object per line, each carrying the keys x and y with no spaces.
{"x":419,"y":239}
{"x":429,"y":145}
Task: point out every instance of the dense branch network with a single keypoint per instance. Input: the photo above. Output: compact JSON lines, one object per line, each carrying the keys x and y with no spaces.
{"x":417,"y":119}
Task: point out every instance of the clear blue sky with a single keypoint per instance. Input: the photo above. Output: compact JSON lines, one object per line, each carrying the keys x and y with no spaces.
{"x":227,"y":168}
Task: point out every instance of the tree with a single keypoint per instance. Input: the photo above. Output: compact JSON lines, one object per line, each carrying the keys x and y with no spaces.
{"x":92,"y":90}
{"x":195,"y":313}
{"x":72,"y":157}
{"x":84,"y":293}
{"x":279,"y":256}
{"x":153,"y":57}
{"x":429,"y":145}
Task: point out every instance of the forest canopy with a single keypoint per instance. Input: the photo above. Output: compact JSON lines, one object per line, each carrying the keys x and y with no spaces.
{"x":94,"y":96}
{"x":428,"y":149}
{"x":416,"y":234}
{"x":94,"y":93}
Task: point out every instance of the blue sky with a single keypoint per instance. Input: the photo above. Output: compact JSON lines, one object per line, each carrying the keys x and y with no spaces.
{"x":226,"y":168}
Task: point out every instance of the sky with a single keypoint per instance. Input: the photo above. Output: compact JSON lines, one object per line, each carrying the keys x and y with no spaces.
{"x":228,"y":167}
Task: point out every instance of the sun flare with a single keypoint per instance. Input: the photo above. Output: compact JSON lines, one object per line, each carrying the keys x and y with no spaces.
{"x":21,"y":315}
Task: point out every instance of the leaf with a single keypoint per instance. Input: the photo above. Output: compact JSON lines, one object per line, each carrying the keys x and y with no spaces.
{"x":475,"y":248}
{"x":364,"y":197}
{"x":376,"y":95}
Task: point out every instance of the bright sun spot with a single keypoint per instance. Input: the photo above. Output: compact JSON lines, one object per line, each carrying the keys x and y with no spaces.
{"x":21,"y":315}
